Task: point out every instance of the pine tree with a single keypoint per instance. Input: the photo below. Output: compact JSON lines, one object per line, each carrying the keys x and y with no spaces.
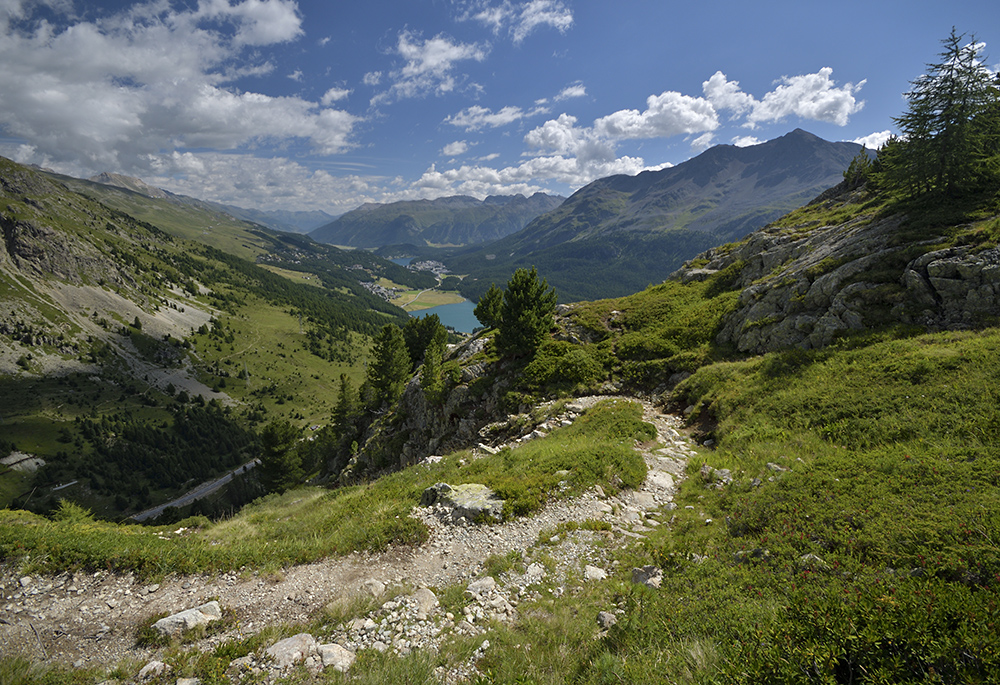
{"x":487,"y":310}
{"x":280,"y":463}
{"x":431,"y":378}
{"x":346,"y":410}
{"x":526,"y":315}
{"x":389,"y":368}
{"x":943,"y":145}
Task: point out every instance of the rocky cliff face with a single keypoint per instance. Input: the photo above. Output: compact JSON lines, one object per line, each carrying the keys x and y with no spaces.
{"x":802,"y":286}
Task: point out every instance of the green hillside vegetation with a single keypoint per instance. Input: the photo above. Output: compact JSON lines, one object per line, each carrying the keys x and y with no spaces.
{"x":840,"y":524}
{"x":250,"y":334}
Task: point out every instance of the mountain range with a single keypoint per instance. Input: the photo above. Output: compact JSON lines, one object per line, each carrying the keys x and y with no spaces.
{"x":621,"y":233}
{"x":447,"y":221}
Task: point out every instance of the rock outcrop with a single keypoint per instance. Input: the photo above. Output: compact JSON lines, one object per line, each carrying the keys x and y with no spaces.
{"x":805,"y":285}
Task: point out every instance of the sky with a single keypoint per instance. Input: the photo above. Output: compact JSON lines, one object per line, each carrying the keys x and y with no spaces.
{"x":329,"y":104}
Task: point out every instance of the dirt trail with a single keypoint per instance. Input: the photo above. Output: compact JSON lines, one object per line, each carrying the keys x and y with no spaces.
{"x":90,"y":619}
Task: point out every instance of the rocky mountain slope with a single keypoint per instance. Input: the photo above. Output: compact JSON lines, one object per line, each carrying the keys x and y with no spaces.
{"x":447,"y":221}
{"x":802,"y":284}
{"x":619,"y":234}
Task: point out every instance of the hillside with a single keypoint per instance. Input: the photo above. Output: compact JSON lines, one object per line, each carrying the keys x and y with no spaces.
{"x":134,"y":362}
{"x":447,"y":221}
{"x":827,"y":506}
{"x":619,"y":234}
{"x":278,"y":220}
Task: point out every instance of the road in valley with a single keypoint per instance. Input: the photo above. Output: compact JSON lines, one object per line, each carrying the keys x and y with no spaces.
{"x":201,"y":491}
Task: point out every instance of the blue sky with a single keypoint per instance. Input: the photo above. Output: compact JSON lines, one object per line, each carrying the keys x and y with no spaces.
{"x":322,"y":104}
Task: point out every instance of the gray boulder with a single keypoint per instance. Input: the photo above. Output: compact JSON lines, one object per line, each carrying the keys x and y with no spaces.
{"x":179,"y":623}
{"x":471,"y":501}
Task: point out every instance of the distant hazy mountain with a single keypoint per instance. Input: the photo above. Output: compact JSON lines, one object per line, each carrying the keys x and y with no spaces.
{"x":279,"y":220}
{"x":619,"y":234}
{"x":457,"y":220}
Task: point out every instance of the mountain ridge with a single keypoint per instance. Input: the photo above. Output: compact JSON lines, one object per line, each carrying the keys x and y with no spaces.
{"x":667,"y":216}
{"x":454,"y":220}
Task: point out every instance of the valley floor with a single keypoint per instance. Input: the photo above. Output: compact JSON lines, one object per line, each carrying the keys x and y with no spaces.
{"x":90,"y":619}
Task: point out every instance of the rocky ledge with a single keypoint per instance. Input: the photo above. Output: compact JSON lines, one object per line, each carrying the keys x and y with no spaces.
{"x":803,"y":286}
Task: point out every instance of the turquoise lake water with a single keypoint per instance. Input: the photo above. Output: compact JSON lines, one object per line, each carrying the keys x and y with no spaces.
{"x":458,"y":315}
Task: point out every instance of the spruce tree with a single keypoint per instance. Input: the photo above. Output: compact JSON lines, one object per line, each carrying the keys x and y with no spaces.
{"x":280,"y":463}
{"x":944,"y":146}
{"x":487,"y":310}
{"x":389,"y":368}
{"x":526,"y":315}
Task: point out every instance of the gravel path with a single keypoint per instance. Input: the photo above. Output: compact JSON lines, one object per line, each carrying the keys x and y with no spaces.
{"x":91,"y":618}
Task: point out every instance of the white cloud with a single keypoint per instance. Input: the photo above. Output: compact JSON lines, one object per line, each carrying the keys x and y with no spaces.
{"x":259,"y":22}
{"x":429,"y":67}
{"x":296,"y":75}
{"x":113,"y":94}
{"x":746,"y":141}
{"x":372,"y":78}
{"x":667,"y":114}
{"x":873,"y":141}
{"x":541,"y":13}
{"x":333,"y":95}
{"x":519,"y":20}
{"x":459,"y":147}
{"x":726,"y":94}
{"x":265,"y":183}
{"x":809,"y":96}
{"x":577,"y":90}
{"x":475,"y":117}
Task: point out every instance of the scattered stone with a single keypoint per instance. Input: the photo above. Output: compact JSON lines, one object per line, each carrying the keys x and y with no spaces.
{"x":594,"y":573}
{"x":426,"y":601}
{"x":178,"y":623}
{"x":812,"y":562}
{"x":606,"y":619}
{"x":292,"y":650}
{"x":481,"y":586}
{"x":374,"y":587}
{"x":650,"y":576}
{"x":336,"y":657}
{"x":152,"y":670}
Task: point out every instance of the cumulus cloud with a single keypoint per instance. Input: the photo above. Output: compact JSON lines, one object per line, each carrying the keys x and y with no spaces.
{"x":266,"y":183}
{"x":458,"y":147}
{"x":475,"y":117}
{"x":873,"y":141}
{"x":519,"y":20}
{"x":429,"y":66}
{"x":117,"y":92}
{"x":726,"y":94}
{"x":667,"y":114}
{"x":333,"y":95}
{"x":746,"y":141}
{"x":809,"y":96}
{"x":259,"y":22}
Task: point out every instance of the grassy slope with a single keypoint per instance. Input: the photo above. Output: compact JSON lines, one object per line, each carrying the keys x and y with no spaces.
{"x":876,"y":456}
{"x":294,"y":528}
